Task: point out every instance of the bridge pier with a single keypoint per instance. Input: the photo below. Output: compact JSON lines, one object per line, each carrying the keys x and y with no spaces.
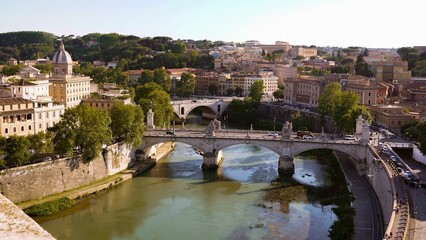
{"x":211,"y":160}
{"x":285,"y":165}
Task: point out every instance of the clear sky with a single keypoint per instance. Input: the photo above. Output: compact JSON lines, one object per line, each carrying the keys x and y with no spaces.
{"x":366,"y":23}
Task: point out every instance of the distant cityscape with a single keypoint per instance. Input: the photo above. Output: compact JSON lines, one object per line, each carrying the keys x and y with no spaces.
{"x":294,"y":75}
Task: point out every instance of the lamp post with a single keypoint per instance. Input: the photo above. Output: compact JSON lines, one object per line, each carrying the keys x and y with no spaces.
{"x":274,"y":123}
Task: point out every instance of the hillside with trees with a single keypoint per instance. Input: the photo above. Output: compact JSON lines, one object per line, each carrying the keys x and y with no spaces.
{"x":131,"y":52}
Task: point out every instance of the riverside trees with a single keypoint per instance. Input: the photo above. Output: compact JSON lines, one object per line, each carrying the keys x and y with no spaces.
{"x":152,"y":96}
{"x":341,"y":106}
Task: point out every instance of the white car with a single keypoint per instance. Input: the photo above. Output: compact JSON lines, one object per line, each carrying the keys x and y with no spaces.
{"x":307,"y":137}
{"x":350,"y":137}
{"x":275,"y":135}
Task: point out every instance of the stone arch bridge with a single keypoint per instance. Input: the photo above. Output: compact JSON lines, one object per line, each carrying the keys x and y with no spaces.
{"x":211,"y":108}
{"x":286,"y":146}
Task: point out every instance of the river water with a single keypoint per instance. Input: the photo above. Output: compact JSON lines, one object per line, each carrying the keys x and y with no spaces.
{"x":176,"y":199}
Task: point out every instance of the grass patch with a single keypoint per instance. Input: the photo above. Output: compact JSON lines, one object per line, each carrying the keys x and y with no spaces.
{"x":49,"y":208}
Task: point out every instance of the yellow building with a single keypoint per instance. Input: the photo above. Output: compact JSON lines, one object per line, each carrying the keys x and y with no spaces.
{"x":67,"y":88}
{"x":16,"y":117}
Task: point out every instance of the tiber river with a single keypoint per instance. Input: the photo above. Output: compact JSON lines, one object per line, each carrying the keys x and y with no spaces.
{"x":177,"y":200}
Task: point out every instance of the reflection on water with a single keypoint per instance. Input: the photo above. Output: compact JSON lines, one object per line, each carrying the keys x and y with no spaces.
{"x":177,"y":200}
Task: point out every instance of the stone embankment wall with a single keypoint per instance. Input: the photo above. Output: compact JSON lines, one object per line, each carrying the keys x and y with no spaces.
{"x":380,"y":179}
{"x":39,"y":180}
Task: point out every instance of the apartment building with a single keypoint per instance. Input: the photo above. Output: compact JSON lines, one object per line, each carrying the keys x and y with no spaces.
{"x":303,"y":91}
{"x":391,"y":116}
{"x":16,"y":117}
{"x":365,"y":88}
{"x":392,"y":71}
{"x":304,"y":52}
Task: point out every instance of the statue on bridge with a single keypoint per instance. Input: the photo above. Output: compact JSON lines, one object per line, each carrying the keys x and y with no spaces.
{"x":209,"y":130}
{"x":286,"y":130}
{"x":217,"y":124}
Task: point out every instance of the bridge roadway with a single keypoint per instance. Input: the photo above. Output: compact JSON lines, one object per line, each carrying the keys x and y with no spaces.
{"x":286,"y":146}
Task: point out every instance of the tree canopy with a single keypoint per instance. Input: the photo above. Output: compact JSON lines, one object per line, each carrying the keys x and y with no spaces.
{"x":152,"y":95}
{"x":256,"y":90}
{"x":17,"y":150}
{"x":84,"y":127}
{"x":343,"y":107}
{"x":127,"y":123}
{"x":186,"y":85}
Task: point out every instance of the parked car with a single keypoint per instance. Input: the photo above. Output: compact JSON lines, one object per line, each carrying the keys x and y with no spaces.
{"x":170,"y":131}
{"x":350,"y":137}
{"x":46,"y":159}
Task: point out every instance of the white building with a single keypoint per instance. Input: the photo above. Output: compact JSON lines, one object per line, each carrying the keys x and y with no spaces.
{"x":46,"y":114}
{"x":30,"y":89}
{"x":270,"y":83}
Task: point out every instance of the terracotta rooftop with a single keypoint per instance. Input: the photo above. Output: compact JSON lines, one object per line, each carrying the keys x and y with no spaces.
{"x":134,"y":72}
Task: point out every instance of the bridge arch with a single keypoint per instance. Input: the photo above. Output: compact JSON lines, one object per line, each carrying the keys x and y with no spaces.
{"x":349,"y":149}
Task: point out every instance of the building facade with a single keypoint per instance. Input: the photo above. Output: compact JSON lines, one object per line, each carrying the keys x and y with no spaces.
{"x":303,"y":91}
{"x":16,"y":117}
{"x":67,"y":88}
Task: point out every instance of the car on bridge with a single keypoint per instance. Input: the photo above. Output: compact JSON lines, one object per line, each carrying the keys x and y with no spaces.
{"x":272,"y":134}
{"x":350,"y":137}
{"x":307,"y":137}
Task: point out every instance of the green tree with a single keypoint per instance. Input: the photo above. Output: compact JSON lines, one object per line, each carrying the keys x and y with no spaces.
{"x":17,"y":149}
{"x":329,"y":100}
{"x":242,"y":111}
{"x":147,"y":76}
{"x":186,"y":85}
{"x":421,"y":133}
{"x":278,"y":94}
{"x":239,"y":91}
{"x":127,"y":123}
{"x":41,"y":142}
{"x":213,"y":89}
{"x":11,"y":70}
{"x":256,"y":91}
{"x":302,"y":123}
{"x":178,"y":48}
{"x":152,"y":95}
{"x":298,"y":58}
{"x":408,"y":54}
{"x":163,"y":79}
{"x":343,"y":107}
{"x":84,"y":127}
{"x":361,"y":67}
{"x":229,"y":91}
{"x":44,"y":68}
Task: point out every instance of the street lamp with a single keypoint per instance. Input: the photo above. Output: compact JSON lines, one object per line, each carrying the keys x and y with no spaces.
{"x":274,"y":123}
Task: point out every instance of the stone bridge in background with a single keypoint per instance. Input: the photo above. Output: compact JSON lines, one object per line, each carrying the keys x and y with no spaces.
{"x":211,"y":108}
{"x":210,"y":143}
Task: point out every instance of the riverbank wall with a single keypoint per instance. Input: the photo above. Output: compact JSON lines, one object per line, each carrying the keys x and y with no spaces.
{"x":43,"y":179}
{"x":380,"y":179}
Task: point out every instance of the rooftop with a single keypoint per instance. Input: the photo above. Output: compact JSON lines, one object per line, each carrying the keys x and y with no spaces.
{"x":9,"y":100}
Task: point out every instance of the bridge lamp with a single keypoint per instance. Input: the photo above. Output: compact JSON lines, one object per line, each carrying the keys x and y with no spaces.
{"x":274,"y":123}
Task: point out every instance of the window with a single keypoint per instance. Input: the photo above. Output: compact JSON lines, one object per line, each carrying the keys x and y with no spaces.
{"x":22,"y":128}
{"x":6,"y":130}
{"x":14,"y":129}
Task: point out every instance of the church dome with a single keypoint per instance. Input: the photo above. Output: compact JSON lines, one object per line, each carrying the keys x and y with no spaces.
{"x":61,"y":56}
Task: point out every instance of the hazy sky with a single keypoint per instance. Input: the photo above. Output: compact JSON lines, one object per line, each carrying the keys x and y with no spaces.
{"x":366,"y":23}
